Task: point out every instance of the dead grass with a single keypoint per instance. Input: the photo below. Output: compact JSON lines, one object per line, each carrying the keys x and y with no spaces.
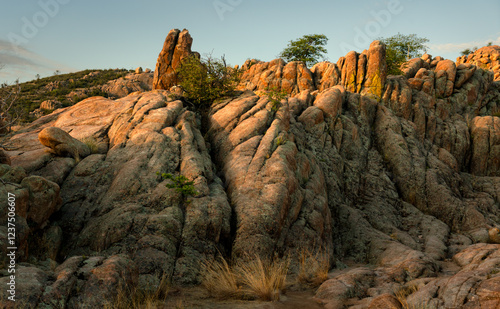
{"x":141,"y":298}
{"x":92,"y":143}
{"x":403,"y":293}
{"x":220,"y":280}
{"x":313,"y":267}
{"x":256,"y":278}
{"x":263,"y":279}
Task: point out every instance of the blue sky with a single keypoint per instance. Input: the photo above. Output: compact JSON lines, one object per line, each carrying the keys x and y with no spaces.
{"x":42,"y":36}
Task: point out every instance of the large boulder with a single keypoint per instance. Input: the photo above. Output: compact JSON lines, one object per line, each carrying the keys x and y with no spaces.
{"x":62,"y":144}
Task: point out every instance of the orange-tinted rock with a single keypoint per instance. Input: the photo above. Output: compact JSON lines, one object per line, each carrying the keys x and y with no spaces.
{"x":326,"y":75}
{"x":376,"y":72}
{"x":447,"y":84}
{"x":292,"y":78}
{"x":487,"y":58}
{"x":177,"y":46}
{"x":349,"y":70}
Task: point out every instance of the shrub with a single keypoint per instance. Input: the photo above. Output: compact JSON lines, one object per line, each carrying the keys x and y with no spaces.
{"x":204,"y":80}
{"x":9,"y":112}
{"x":275,"y":96}
{"x":181,"y":184}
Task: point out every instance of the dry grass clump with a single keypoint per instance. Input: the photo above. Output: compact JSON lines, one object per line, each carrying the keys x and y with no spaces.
{"x":92,"y":143}
{"x":403,"y":293}
{"x":220,"y":280}
{"x":264,"y":279}
{"x":313,"y":267}
{"x":140,"y":298}
{"x":257,"y":278}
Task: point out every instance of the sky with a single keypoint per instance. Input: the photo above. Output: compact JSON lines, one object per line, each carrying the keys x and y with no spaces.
{"x":44,"y":36}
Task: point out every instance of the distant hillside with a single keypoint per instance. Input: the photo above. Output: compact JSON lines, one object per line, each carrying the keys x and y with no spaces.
{"x":68,"y":89}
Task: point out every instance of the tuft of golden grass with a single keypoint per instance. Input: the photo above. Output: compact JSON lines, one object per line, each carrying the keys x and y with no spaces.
{"x":219,"y":279}
{"x":92,"y":143}
{"x":313,"y":267}
{"x":255,"y":278}
{"x":139,"y":298}
{"x":403,"y":293}
{"x":264,"y":279}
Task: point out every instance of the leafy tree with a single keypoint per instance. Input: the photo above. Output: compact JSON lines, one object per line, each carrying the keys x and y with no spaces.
{"x":401,"y":48}
{"x":204,"y":80}
{"x":309,"y":49}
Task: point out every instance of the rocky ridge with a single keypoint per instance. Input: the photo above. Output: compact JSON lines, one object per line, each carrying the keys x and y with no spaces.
{"x":400,"y":173}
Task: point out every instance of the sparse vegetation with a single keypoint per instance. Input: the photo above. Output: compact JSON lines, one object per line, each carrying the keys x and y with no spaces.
{"x":9,"y":111}
{"x":309,"y":49}
{"x":92,"y":143}
{"x":138,"y":298}
{"x":263,"y":279}
{"x":313,"y":267}
{"x":254,"y":279}
{"x":275,"y":96}
{"x":205,"y":80}
{"x":181,"y":184}
{"x":220,"y":280}
{"x":403,"y":293}
{"x":401,"y":48}
{"x":59,"y":87}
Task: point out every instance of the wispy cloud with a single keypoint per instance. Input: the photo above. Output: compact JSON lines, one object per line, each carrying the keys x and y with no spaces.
{"x":20,"y":63}
{"x":457,"y":47}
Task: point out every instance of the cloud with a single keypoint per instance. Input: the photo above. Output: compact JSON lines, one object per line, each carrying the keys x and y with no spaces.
{"x":20,"y":63}
{"x":457,"y":47}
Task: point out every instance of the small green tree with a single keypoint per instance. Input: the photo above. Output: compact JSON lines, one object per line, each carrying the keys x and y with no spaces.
{"x":309,"y":49}
{"x":468,"y":51}
{"x":401,"y":48}
{"x":181,"y":184}
{"x":204,"y":80}
{"x":275,"y":96}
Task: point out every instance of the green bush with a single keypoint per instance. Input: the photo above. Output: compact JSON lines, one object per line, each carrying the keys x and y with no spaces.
{"x":204,"y":80}
{"x":275,"y":96}
{"x":181,"y":184}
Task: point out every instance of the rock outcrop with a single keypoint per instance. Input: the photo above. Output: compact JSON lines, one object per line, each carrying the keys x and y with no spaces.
{"x":360,"y":73}
{"x":177,"y":46}
{"x":487,"y":58}
{"x":128,"y":84}
{"x":397,"y":172}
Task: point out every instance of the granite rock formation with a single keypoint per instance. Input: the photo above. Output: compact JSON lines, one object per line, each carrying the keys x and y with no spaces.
{"x":398,"y":173}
